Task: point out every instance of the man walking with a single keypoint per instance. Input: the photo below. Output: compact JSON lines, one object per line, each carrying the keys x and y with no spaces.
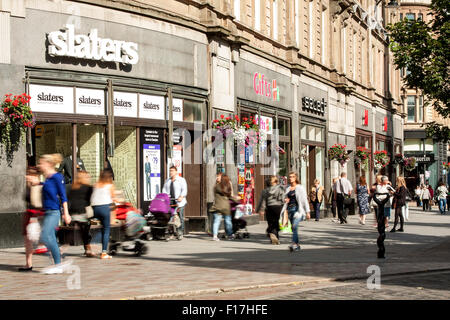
{"x":176,"y":188}
{"x":343,"y":191}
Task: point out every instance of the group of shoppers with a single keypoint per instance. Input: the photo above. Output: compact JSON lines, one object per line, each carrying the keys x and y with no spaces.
{"x":70,"y":202}
{"x":425,"y":196}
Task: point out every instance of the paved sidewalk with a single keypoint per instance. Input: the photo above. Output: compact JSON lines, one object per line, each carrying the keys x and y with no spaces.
{"x":198,"y":265}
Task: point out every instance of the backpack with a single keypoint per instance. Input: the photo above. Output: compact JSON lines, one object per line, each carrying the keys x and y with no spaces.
{"x":161,"y":203}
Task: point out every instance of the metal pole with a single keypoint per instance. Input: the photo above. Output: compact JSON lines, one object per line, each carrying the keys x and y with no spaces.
{"x":170,"y":125}
{"x":110,"y":119}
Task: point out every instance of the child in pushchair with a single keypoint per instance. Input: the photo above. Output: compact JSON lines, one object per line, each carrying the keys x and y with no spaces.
{"x":134,"y":228}
{"x":238,"y":223}
{"x":163,"y":218}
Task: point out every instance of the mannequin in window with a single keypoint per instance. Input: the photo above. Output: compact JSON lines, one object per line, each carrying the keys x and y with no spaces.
{"x":148,"y":172}
{"x":66,"y":167}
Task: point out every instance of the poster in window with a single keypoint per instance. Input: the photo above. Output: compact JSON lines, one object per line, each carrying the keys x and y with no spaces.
{"x":151,"y":165}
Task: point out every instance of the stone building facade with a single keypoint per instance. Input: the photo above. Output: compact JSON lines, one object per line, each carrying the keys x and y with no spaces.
{"x":211,"y":53}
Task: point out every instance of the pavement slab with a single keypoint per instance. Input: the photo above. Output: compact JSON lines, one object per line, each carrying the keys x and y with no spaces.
{"x":196,"y":265}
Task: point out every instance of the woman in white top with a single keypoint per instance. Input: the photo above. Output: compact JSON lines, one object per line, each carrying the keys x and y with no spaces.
{"x":385,"y":187}
{"x":425,"y":197}
{"x":442,"y":192}
{"x":101,"y":201}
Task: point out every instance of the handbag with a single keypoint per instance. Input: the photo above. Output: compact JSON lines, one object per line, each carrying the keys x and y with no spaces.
{"x":33,"y":230}
{"x":89,"y":212}
{"x":347,"y":199}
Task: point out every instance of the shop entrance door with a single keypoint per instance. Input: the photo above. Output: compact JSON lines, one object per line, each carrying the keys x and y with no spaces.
{"x":193,"y":175}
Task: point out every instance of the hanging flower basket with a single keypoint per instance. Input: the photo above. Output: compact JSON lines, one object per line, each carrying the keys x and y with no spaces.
{"x":446,"y":165}
{"x":15,"y":118}
{"x":339,"y":153}
{"x":225,"y":126}
{"x":362,"y":157}
{"x":244,"y":131}
{"x":381,"y":159}
{"x":409,"y":163}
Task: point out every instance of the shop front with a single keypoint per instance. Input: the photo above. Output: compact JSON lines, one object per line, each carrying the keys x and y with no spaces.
{"x":364,"y":140}
{"x":384,"y":142}
{"x":266,"y":96}
{"x":101,"y":95}
{"x":313,"y":109}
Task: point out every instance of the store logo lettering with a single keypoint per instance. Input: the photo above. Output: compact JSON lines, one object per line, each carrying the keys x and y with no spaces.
{"x":265,"y":88}
{"x":151,"y":106}
{"x":91,"y":46}
{"x":176,"y":109}
{"x":312,"y":105}
{"x":50,"y":98}
{"x":89,"y":100}
{"x":122,"y":103}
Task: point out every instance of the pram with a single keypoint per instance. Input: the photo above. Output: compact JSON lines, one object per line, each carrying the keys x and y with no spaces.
{"x":163,"y":218}
{"x":239,"y":224}
{"x":135,"y":230}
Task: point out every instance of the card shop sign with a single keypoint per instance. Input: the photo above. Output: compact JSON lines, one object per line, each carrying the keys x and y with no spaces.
{"x":314,"y":106}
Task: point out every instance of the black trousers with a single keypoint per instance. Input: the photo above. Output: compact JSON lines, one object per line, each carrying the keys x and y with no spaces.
{"x":342,"y":208}
{"x":84,"y":229}
{"x":273,"y":217}
{"x":426,"y":204}
{"x":398,"y":214}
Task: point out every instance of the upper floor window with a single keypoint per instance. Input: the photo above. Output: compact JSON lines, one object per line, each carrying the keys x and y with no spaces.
{"x":258,"y":15}
{"x":420,"y":115}
{"x":411,"y":16}
{"x":275,"y":19}
{"x":237,"y":9}
{"x":411,"y":107}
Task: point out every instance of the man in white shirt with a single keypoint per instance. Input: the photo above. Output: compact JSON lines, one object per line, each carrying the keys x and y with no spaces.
{"x":176,"y":188}
{"x":343,"y":187}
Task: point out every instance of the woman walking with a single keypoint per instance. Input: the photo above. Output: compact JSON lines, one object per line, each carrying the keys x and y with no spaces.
{"x":332,"y":199}
{"x":101,"y":200}
{"x":362,"y":195}
{"x":79,"y":195}
{"x":54,"y":195}
{"x":33,"y":211}
{"x":372,"y":192}
{"x":418,"y":194}
{"x":222,"y":207}
{"x":296,"y":202}
{"x":385,"y":187}
{"x":425,"y":197}
{"x":316,"y":197}
{"x":272,"y":200}
{"x":442,"y":193}
{"x":399,"y":202}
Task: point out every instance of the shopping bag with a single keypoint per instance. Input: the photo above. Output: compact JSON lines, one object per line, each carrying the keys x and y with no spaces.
{"x":285,"y":224}
{"x":33,"y":230}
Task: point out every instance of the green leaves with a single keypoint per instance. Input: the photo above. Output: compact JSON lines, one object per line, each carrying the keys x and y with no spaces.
{"x":423,"y":49}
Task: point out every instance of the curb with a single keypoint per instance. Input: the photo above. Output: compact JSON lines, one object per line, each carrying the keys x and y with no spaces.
{"x":272,"y":285}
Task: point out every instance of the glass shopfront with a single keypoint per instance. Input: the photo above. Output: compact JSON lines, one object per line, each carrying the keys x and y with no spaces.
{"x":85,"y":118}
{"x":364,"y":139}
{"x":312,"y":154}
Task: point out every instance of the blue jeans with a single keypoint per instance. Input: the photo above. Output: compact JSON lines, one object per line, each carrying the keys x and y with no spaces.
{"x":316,"y":206}
{"x":227,"y":222}
{"x":103,"y":213}
{"x":294,"y":223}
{"x":48,"y":234}
{"x":442,"y":205}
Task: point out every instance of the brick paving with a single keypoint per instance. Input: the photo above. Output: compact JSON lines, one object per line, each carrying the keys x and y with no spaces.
{"x":197,"y":265}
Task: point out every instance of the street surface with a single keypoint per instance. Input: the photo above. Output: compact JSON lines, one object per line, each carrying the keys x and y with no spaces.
{"x":198,"y":268}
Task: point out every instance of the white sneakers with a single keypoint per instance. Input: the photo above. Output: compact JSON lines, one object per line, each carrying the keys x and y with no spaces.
{"x":215,"y":239}
{"x":58,"y":268}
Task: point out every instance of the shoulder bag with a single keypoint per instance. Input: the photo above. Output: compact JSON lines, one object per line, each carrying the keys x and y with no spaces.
{"x":347,"y":199}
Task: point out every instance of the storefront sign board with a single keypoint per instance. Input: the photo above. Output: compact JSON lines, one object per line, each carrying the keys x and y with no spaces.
{"x":90,"y":101}
{"x":151,"y":107}
{"x":52,"y":99}
{"x":125,"y":104}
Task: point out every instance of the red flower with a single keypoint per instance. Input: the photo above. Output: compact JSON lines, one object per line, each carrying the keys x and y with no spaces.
{"x":15,"y":103}
{"x":222,"y":116}
{"x":236,"y":117}
{"x":247,"y":126}
{"x":215,"y":121}
{"x":245,"y":119}
{"x":228,"y":118}
{"x":6,"y":110}
{"x":8,"y":100}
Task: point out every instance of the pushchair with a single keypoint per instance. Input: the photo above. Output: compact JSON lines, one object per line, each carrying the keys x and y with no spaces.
{"x":238,"y":222}
{"x":135,"y":230}
{"x":163,"y":218}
